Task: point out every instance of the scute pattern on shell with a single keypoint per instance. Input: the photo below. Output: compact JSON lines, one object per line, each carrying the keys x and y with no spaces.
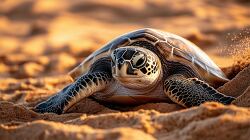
{"x":174,"y":45}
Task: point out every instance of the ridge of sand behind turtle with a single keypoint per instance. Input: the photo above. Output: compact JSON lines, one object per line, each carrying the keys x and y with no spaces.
{"x":42,"y":40}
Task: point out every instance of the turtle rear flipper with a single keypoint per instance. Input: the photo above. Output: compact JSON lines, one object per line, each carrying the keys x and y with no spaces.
{"x":190,"y":92}
{"x":73,"y":93}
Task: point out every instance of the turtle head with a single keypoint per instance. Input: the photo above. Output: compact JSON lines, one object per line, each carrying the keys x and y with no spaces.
{"x":135,"y":67}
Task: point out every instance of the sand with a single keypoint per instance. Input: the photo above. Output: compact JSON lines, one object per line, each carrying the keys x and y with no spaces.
{"x":42,"y":40}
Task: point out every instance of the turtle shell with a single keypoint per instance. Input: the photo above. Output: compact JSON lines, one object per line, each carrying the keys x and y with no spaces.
{"x":171,"y":46}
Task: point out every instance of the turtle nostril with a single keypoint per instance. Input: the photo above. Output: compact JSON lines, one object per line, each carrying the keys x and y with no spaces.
{"x":120,"y":61}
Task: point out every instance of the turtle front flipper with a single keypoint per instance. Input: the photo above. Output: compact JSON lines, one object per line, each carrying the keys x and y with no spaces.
{"x":83,"y":87}
{"x":190,"y":92}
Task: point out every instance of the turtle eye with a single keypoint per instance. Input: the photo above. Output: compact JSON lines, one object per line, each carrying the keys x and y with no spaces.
{"x":139,"y":60}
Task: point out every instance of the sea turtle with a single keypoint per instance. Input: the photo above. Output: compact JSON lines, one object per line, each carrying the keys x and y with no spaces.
{"x":145,"y":65}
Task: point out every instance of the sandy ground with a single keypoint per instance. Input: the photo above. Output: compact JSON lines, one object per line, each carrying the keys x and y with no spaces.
{"x":42,"y":40}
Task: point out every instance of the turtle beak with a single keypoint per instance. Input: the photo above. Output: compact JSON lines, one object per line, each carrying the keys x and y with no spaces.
{"x":118,"y":65}
{"x":120,"y":69}
{"x":121,"y":63}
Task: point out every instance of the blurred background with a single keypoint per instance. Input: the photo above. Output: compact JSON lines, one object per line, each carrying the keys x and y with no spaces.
{"x":50,"y":37}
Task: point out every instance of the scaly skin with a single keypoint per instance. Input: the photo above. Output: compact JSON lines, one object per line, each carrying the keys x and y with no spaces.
{"x":83,"y":87}
{"x":190,"y":92}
